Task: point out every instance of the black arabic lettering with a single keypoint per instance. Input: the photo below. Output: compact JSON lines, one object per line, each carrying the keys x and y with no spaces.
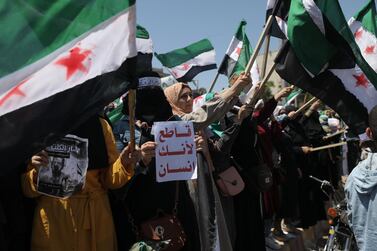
{"x":164,"y":173}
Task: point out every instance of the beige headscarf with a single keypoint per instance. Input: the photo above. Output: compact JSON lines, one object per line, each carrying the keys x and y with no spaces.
{"x":172,"y":94}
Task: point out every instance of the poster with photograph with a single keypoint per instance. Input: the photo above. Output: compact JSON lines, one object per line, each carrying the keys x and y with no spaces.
{"x":66,"y":170}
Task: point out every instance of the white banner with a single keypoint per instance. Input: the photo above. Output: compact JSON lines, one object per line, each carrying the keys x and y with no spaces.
{"x":175,"y":151}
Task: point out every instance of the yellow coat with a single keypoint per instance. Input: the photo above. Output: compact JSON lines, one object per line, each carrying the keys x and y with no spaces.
{"x":83,"y":221}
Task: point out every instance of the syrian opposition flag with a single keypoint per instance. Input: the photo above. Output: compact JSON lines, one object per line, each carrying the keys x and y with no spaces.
{"x":280,"y":9}
{"x":185,"y":63}
{"x":117,"y":113}
{"x":323,"y":58}
{"x":292,"y":97}
{"x":61,"y":62}
{"x":144,"y":47}
{"x":202,"y":99}
{"x":364,"y":27}
{"x":238,"y":54}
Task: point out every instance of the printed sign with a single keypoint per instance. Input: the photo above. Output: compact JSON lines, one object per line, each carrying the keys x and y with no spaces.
{"x":66,"y":170}
{"x":175,"y":151}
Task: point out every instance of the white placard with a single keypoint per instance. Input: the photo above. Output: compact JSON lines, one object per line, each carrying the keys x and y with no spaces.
{"x":175,"y":151}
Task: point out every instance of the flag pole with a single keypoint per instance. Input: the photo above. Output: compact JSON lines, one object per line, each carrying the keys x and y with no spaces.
{"x":265,"y":32}
{"x":334,"y":134}
{"x":327,"y":146}
{"x":131,"y":112}
{"x":265,"y":56}
{"x":306,"y":105}
{"x":254,"y":99}
{"x":266,"y":29}
{"x":214,"y":82}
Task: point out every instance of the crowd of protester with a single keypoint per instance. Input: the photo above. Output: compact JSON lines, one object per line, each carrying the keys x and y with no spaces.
{"x":269,"y":145}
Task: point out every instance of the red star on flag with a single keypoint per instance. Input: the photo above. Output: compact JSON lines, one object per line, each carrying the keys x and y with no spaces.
{"x":370,"y":49}
{"x":197,"y":99}
{"x":74,"y":61}
{"x":185,"y":67}
{"x":358,"y":34}
{"x":238,"y":51}
{"x":14,"y":91}
{"x":361,"y":80}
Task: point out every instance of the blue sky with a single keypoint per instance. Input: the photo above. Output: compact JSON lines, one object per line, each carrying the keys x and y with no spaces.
{"x":175,"y":24}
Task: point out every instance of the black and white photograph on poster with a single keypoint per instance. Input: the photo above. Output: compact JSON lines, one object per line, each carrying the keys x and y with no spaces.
{"x":66,"y":170}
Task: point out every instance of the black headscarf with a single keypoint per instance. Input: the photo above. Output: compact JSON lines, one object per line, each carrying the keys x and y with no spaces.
{"x":97,"y":150}
{"x":151,"y":103}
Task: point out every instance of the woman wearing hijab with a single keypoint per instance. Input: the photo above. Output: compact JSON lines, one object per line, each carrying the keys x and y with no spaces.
{"x":180,"y":99}
{"x":251,"y":147}
{"x":310,"y":207}
{"x":204,"y":191}
{"x":84,"y":220}
{"x":224,"y":134}
{"x":212,"y":110}
{"x":144,"y":198}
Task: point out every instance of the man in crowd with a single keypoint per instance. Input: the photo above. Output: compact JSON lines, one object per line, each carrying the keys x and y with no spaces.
{"x":361,"y":189}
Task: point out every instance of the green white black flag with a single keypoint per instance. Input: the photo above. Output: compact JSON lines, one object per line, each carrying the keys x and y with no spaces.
{"x":323,"y":58}
{"x":238,"y":54}
{"x":185,"y":63}
{"x":61,"y":62}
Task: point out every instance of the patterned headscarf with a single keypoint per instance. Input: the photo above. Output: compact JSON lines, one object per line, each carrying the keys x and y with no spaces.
{"x":172,"y":94}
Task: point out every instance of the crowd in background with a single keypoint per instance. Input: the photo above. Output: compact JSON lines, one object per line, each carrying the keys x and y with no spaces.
{"x":269,"y":145}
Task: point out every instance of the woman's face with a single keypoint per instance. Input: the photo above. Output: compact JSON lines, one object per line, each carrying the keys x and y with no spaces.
{"x":185,"y":100}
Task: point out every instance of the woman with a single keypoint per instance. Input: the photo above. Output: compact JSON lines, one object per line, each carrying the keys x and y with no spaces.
{"x":310,"y":204}
{"x":179,"y":96}
{"x":84,"y":220}
{"x":203,"y":190}
{"x":145,"y":198}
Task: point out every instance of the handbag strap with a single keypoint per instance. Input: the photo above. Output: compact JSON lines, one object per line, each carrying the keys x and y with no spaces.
{"x":257,"y":150}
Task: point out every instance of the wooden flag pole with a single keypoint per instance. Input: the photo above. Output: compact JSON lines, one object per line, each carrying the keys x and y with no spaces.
{"x":334,"y":134}
{"x":265,"y":56}
{"x":306,"y":105}
{"x":259,"y":43}
{"x":131,"y":111}
{"x":327,"y":147}
{"x":264,"y":33}
{"x":214,"y":82}
{"x":254,"y":99}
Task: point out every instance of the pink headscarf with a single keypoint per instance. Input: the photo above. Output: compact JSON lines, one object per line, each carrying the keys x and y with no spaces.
{"x":172,"y":94}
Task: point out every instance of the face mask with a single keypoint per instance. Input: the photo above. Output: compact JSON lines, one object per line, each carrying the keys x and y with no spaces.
{"x":281,"y":117}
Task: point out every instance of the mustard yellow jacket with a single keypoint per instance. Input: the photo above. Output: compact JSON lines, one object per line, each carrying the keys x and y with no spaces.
{"x":83,"y":221}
